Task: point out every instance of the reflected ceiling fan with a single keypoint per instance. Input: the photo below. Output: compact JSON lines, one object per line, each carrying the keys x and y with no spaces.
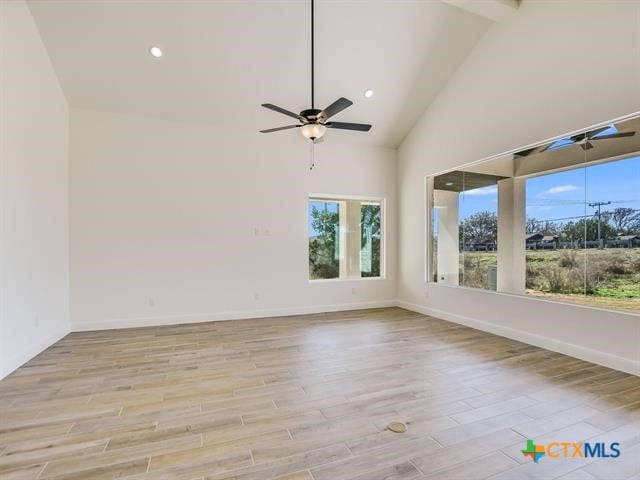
{"x":313,"y":122}
{"x":582,"y":139}
{"x":585,"y":139}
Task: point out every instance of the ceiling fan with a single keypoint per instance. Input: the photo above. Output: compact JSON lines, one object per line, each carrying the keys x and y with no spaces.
{"x":585,"y":139}
{"x":313,"y":122}
{"x":582,"y":139}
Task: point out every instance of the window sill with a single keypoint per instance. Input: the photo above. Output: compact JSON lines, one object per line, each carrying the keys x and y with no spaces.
{"x":341,"y":280}
{"x":536,"y":299}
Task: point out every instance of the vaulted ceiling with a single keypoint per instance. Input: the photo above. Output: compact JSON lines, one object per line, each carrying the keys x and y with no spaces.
{"x":223,"y":58}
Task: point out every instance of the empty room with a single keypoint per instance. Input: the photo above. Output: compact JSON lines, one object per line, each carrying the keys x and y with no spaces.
{"x":319,"y":239}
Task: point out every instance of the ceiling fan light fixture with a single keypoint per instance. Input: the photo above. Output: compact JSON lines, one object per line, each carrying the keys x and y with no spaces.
{"x":155,"y":51}
{"x":313,"y":131}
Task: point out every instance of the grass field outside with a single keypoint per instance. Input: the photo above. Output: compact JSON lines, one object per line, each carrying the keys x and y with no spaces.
{"x":608,"y":278}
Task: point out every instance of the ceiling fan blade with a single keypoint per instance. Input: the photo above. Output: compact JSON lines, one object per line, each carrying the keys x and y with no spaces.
{"x":595,"y":132}
{"x":360,"y":127}
{"x":615,"y":135}
{"x":334,"y":108}
{"x":566,"y":142}
{"x":530,"y":151}
{"x":282,"y":110}
{"x":277,"y":129}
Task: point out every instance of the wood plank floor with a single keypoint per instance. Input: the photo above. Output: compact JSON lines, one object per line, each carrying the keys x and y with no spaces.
{"x":308,"y":398}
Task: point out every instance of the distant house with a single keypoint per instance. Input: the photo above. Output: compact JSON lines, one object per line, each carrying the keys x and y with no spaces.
{"x":538,"y":240}
{"x":626,"y":241}
{"x":550,"y":241}
{"x":533,"y":237}
{"x":486,"y":244}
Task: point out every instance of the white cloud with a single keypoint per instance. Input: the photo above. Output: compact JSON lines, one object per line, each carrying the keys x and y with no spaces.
{"x":490,"y":190}
{"x":560,"y":189}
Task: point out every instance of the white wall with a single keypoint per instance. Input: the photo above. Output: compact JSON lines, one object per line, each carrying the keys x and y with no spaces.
{"x":164,"y":215}
{"x":551,"y":68}
{"x":34,"y":278}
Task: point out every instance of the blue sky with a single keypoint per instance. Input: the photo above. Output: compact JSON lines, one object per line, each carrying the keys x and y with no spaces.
{"x":559,"y":196}
{"x":478,"y":200}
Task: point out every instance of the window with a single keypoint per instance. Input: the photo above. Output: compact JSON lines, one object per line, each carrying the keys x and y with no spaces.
{"x":345,"y":238}
{"x":479,"y":233}
{"x":465,"y":229}
{"x":583,"y":235}
{"x":559,"y":221}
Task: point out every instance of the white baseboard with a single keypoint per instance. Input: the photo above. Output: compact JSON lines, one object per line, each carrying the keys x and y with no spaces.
{"x":220,"y":316}
{"x":38,"y":347}
{"x":577,"y":351}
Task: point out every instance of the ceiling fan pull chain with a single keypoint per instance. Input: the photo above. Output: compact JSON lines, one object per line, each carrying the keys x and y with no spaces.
{"x":312,"y":162}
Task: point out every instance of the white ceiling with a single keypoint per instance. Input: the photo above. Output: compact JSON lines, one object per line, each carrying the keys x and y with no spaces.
{"x":223,"y":58}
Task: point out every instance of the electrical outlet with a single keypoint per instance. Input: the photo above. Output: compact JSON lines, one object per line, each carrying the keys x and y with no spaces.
{"x":256,"y":296}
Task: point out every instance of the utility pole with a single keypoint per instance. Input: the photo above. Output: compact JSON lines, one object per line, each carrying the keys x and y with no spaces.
{"x":599,"y":214}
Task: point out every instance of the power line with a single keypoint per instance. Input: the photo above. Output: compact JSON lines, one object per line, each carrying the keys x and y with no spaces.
{"x":551,"y":202}
{"x":576,"y":217}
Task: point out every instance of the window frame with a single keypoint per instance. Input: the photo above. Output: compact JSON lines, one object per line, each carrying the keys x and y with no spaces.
{"x":332,"y":197}
{"x":428,"y":204}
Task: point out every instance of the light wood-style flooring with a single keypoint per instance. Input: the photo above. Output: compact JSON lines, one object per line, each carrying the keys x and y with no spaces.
{"x":308,"y":398}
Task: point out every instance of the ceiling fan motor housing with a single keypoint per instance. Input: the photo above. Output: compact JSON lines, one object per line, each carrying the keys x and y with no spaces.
{"x":312,"y":115}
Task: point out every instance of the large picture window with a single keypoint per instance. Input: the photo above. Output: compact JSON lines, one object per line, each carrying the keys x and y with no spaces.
{"x":583,"y":235}
{"x":559,"y":221}
{"x":345,"y":238}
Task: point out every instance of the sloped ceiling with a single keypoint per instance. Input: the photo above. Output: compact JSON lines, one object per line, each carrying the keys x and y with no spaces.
{"x":222,"y":58}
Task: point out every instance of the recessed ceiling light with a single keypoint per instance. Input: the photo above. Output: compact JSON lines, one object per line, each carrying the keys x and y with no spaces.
{"x":368,"y":93}
{"x":155,"y":51}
